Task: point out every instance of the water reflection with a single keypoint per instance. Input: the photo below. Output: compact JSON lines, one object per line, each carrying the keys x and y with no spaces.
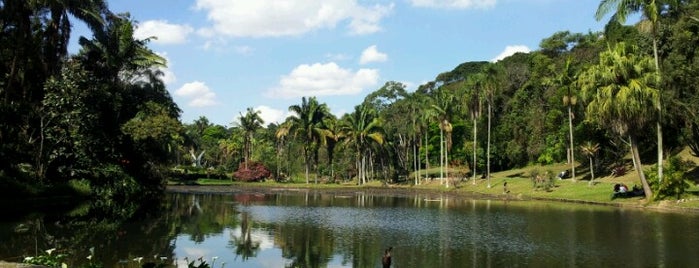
{"x":312,"y":229}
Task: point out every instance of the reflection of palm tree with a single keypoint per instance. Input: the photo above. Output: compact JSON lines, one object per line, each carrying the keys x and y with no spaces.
{"x":244,"y":246}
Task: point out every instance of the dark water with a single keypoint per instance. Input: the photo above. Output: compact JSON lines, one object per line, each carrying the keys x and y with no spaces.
{"x":307,"y":229}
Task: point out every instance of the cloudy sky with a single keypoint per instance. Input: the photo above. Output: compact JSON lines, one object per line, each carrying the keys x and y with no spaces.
{"x":227,"y":55}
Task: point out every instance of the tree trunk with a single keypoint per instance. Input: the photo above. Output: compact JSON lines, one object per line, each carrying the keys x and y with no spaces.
{"x":639,"y":169}
{"x":659,"y":126}
{"x":441,"y":156}
{"x":572,"y":144}
{"x":446,"y":164}
{"x":592,"y":172}
{"x":487,"y":174}
{"x":427,"y":155}
{"x":475,"y":149}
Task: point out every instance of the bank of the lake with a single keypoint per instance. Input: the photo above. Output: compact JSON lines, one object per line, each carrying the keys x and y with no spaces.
{"x":518,"y":188}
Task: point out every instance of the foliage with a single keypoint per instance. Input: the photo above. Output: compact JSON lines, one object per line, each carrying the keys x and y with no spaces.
{"x":255,"y":171}
{"x":49,"y":259}
{"x":542,"y":181}
{"x":675,"y":180}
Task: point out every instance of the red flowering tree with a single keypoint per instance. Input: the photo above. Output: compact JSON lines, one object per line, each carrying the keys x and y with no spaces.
{"x":255,"y":171}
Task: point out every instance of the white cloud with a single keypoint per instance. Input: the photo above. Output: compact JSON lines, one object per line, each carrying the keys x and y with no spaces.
{"x":455,"y":4}
{"x":271,"y":115}
{"x":166,"y":33}
{"x":370,"y":54}
{"x":511,"y":50}
{"x":198,"y":93}
{"x":283,"y":18}
{"x":168,"y":77}
{"x":323,"y":80}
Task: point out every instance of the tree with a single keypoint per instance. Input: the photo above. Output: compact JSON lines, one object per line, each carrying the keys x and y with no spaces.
{"x":590,"y":150}
{"x":473,"y":102}
{"x":491,"y":82}
{"x":249,"y":122}
{"x":564,"y":80}
{"x":621,"y":94}
{"x":650,"y":11}
{"x":306,"y":123}
{"x":332,"y":135}
{"x":361,"y":128}
{"x":443,"y":108}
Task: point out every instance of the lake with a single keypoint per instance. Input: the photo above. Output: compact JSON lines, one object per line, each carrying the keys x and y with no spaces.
{"x":298,"y":228}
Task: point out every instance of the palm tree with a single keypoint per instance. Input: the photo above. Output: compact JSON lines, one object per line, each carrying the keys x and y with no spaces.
{"x":442,"y":107}
{"x":282,"y":132}
{"x":249,"y":122}
{"x":307,"y":123}
{"x":564,"y":80}
{"x":332,"y":135}
{"x":620,"y":91}
{"x":413,"y":113}
{"x":590,"y":150}
{"x":362,"y":127}
{"x":491,"y":82}
{"x":473,"y":102}
{"x":650,"y":11}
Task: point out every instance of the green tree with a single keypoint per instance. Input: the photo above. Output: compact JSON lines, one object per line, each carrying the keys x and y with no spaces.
{"x":473,"y":101}
{"x":361,"y":128}
{"x":590,"y":150}
{"x":491,"y":82}
{"x":564,"y":80}
{"x":443,"y":108}
{"x":306,"y":124}
{"x":621,"y":94}
{"x":249,"y":122}
{"x":650,"y":11}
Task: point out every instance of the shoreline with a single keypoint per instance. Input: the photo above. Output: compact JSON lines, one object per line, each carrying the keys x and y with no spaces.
{"x":661,"y":206}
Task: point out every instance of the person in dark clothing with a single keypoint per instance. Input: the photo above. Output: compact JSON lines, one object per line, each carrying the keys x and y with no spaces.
{"x":386,"y":259}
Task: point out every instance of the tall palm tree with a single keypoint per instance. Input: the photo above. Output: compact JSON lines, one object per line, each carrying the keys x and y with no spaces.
{"x":473,"y":102}
{"x":413,"y":114}
{"x":281,"y":134}
{"x":443,"y":109}
{"x":620,"y":90}
{"x":564,"y":80}
{"x":650,"y":11}
{"x":491,"y":82}
{"x":307,"y":123}
{"x":590,"y":150}
{"x":332,"y":135}
{"x":249,"y":122}
{"x":362,"y":127}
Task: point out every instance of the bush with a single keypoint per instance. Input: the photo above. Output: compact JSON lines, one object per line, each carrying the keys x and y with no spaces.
{"x":543,"y":181}
{"x":675,"y":181}
{"x":255,"y":171}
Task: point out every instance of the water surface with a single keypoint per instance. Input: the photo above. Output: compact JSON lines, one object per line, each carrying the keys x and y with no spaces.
{"x":315,"y":229}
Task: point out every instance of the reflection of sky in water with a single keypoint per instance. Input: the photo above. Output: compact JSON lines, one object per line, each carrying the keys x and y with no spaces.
{"x":408,"y":226}
{"x":217,"y":245}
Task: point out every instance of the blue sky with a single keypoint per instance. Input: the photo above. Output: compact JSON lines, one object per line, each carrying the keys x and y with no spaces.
{"x":227,"y":55}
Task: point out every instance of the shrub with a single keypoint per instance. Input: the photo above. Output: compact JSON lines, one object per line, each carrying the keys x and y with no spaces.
{"x":675,"y":181}
{"x":543,"y":181}
{"x":255,"y":171}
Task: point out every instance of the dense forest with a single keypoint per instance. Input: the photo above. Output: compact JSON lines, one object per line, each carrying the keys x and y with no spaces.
{"x":103,"y":116}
